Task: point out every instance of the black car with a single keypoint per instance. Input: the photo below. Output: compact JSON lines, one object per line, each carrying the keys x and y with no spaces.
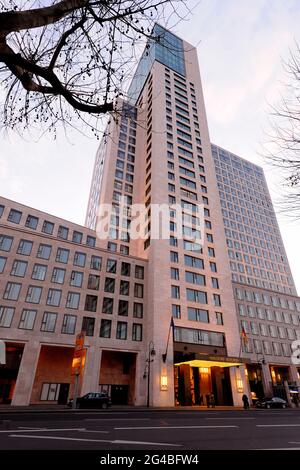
{"x":274,"y":402}
{"x":92,"y":400}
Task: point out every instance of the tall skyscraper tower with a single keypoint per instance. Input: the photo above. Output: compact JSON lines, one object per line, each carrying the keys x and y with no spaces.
{"x":159,"y":152}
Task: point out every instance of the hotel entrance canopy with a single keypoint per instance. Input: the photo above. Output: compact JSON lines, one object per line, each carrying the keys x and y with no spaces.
{"x":201,"y":360}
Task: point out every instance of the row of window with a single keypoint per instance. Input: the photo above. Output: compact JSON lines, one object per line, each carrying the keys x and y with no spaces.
{"x":197,"y":314}
{"x":274,"y":331}
{"x":31,"y":222}
{"x":267,"y":299}
{"x":267,"y":347}
{"x":194,"y":295}
{"x":268,"y":314}
{"x":12,"y":292}
{"x":63,"y":255}
{"x":49,"y":320}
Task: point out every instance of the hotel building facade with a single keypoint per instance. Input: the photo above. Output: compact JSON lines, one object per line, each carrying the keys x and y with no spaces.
{"x":58,"y":278}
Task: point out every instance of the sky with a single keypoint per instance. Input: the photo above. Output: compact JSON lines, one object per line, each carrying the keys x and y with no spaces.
{"x":240,"y":46}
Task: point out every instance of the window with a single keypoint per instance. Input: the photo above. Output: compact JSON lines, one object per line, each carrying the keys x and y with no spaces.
{"x":137,"y":332}
{"x":175,"y":292}
{"x":49,"y":322}
{"x":69,"y":324}
{"x":139,"y":291}
{"x":34,"y":294}
{"x":213,"y":267}
{"x":123,"y":308}
{"x":6,"y":316}
{"x":53,"y":298}
{"x":14,"y":216}
{"x":96,"y":263}
{"x":175,"y":274}
{"x":25,"y":247}
{"x":77,"y":237}
{"x":219,"y":318}
{"x":62,"y":255}
{"x":139,"y":272}
{"x":105,"y":329}
{"x":91,"y":303}
{"x":196,"y":296}
{"x":125,"y":269}
{"x":121,"y":330}
{"x":93,"y":282}
{"x":173,"y":256}
{"x":108,"y":305}
{"x":217,"y":300}
{"x":63,"y":232}
{"x":176,"y":311}
{"x":44,"y":251}
{"x":31,"y":222}
{"x":215,"y":283}
{"x":79,"y":259}
{"x":197,"y":314}
{"x":27,"y":319}
{"x":137,"y":310}
{"x":50,"y":392}
{"x":193,"y":262}
{"x":73,"y":300}
{"x":111,"y":266}
{"x":90,"y":241}
{"x":19,"y":268}
{"x":194,"y":278}
{"x":109,"y":285}
{"x":12,"y":291}
{"x":2,"y":264}
{"x":58,"y":275}
{"x":76,"y":279}
{"x":48,"y":227}
{"x":39,"y":272}
{"x":1,"y":210}
{"x":88,"y":325}
{"x":5,"y":243}
{"x":124,"y":287}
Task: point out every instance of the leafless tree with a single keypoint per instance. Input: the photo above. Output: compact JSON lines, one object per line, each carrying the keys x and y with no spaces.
{"x":283,"y":148}
{"x":68,"y":61}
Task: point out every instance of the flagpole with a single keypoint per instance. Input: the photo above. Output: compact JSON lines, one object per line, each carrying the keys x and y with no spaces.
{"x":164,"y":356}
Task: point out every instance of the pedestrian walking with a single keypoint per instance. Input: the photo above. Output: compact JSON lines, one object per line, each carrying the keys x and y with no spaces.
{"x":245,"y":401}
{"x":207,"y":401}
{"x":212,"y":400}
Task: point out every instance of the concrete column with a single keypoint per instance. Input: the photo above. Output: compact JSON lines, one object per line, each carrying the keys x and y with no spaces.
{"x":140,"y":381}
{"x":26,"y":374}
{"x":91,"y":375}
{"x":294,"y":374}
{"x":159,"y":397}
{"x":266,"y":378}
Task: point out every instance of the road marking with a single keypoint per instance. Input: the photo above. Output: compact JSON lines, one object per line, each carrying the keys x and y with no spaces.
{"x":277,"y":425}
{"x":117,"y":419}
{"x":230,"y":418}
{"x":118,"y":441}
{"x":178,"y":427}
{"x":30,"y":428}
{"x":100,"y":432}
{"x":42,"y":430}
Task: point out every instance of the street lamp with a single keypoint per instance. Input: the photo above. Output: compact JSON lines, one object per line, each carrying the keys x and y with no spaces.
{"x":150,"y":358}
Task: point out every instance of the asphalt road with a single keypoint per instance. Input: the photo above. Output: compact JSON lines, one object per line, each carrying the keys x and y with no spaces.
{"x":175,"y":430}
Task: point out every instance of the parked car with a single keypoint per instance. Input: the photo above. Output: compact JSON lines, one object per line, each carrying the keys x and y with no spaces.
{"x":274,"y":402}
{"x":92,"y":400}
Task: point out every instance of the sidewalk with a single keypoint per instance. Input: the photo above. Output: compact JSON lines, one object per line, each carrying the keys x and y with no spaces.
{"x":65,"y":409}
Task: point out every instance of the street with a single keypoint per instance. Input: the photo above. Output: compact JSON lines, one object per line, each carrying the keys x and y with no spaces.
{"x":172,"y":430}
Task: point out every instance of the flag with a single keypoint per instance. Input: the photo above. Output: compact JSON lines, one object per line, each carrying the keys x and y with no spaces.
{"x":244,"y":336}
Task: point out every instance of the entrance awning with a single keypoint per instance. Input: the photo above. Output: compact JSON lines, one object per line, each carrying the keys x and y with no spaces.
{"x":200,"y":360}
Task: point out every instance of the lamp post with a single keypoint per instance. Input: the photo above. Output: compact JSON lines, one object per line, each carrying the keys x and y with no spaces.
{"x":151,"y":354}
